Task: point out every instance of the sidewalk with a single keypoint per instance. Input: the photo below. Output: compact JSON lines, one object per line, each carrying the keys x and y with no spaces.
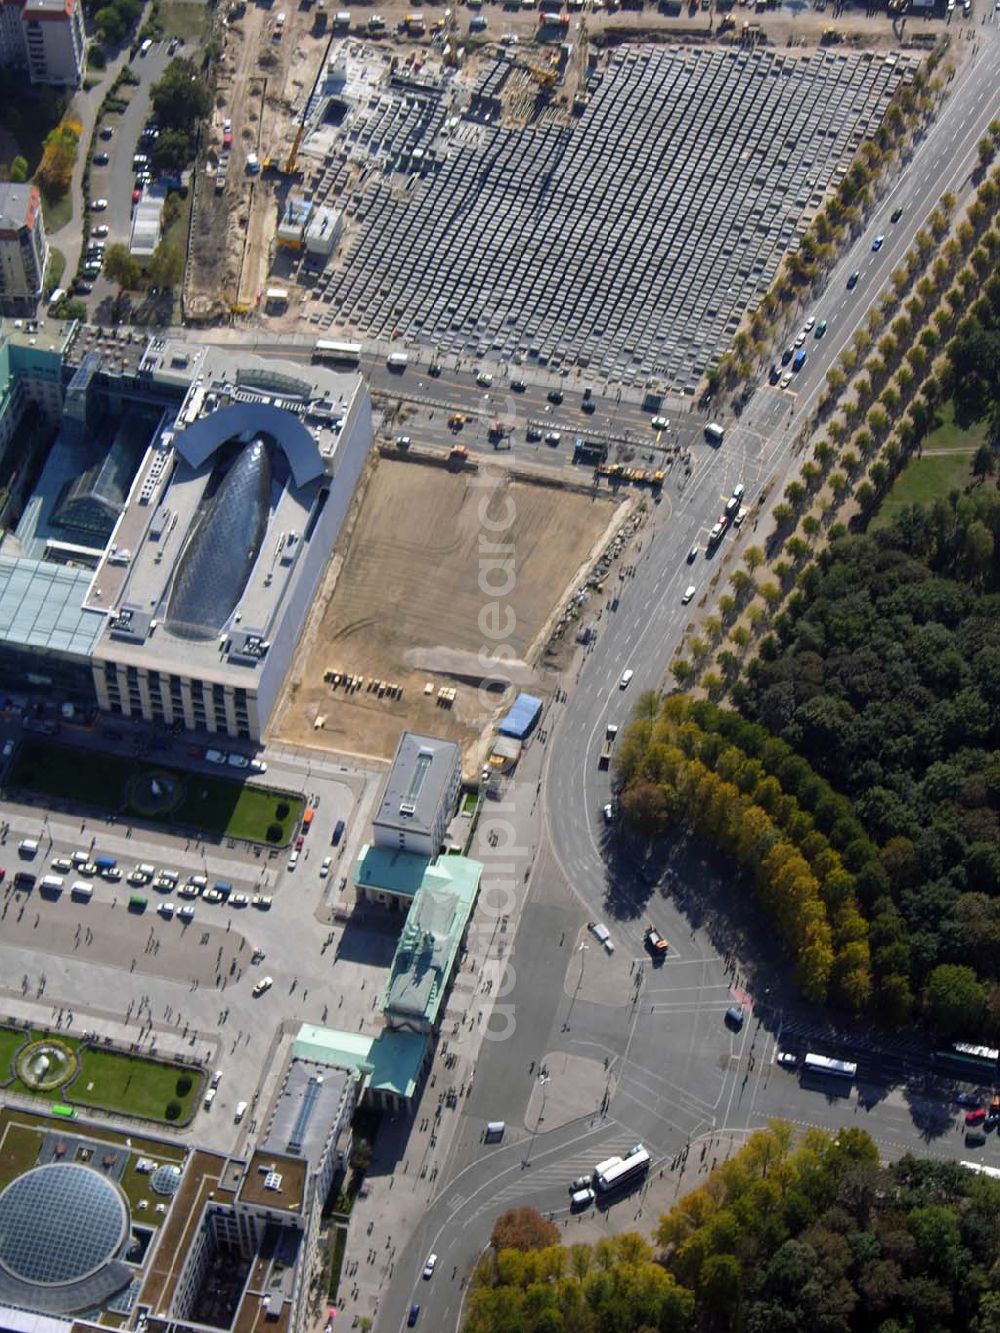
{"x":412,"y":1153}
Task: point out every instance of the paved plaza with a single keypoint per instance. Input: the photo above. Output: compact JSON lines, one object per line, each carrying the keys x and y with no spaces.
{"x":631,"y":240}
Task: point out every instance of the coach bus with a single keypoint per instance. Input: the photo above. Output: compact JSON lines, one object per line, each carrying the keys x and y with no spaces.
{"x":982,"y":1170}
{"x":337,"y":353}
{"x":974,"y":1061}
{"x":824,"y":1065}
{"x":616,"y":1173}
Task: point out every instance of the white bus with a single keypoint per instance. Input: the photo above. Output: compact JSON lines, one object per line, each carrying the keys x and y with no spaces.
{"x":397,"y":360}
{"x":342,"y":354}
{"x":822,"y":1064}
{"x":982,"y":1170}
{"x":627,"y":1169}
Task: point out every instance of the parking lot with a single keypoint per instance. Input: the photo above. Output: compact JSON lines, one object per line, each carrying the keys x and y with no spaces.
{"x":601,"y":243}
{"x":148,"y":977}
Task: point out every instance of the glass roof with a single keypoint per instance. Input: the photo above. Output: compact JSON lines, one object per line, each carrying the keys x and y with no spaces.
{"x":165,"y":1180}
{"x":223,"y":547}
{"x":60,"y":1223}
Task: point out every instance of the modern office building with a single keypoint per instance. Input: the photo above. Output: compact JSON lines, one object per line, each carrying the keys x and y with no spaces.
{"x":165,"y":561}
{"x":47,"y":38}
{"x":419,"y":795}
{"x":24,"y":250}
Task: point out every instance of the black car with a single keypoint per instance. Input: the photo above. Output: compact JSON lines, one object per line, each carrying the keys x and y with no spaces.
{"x":734,"y":1017}
{"x":897,"y":213}
{"x":533,"y":433}
{"x":787,"y":355}
{"x":555,"y":396}
{"x":588,"y":405}
{"x":413,"y":1316}
{"x":852,"y":281}
{"x":101,"y":159}
{"x":774,"y":374}
{"x":518,"y":386}
{"x":434,"y":371}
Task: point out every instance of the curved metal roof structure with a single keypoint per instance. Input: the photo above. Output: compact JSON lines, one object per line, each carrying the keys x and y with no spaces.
{"x":199,"y":441}
{"x":223,"y":547}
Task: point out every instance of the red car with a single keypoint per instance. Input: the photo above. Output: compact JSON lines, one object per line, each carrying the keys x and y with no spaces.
{"x":975,"y":1117}
{"x":136,"y":196}
{"x":298,"y":847}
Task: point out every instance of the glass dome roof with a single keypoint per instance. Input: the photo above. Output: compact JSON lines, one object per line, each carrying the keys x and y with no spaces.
{"x":165,"y":1180}
{"x":60,"y":1223}
{"x":223,"y":547}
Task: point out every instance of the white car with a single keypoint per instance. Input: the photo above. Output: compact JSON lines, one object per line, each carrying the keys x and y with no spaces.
{"x":227,"y":126}
{"x":258,"y":766}
{"x":293,"y":860}
{"x":626,"y":679}
{"x":186,"y":913}
{"x":786,"y":379}
{"x":215,"y":756}
{"x":166,"y":910}
{"x":553,"y":437}
{"x":484,"y":379}
{"x":689,"y":592}
{"x":239,"y":900}
{"x":608,"y":811}
{"x":324,"y":869}
{"x":809,"y":324}
{"x":429,"y":1266}
{"x":741,"y":514}
{"x":800,"y":340}
{"x":189,"y":890}
{"x":99,"y":232}
{"x":660,"y":423}
{"x":262,"y":901}
{"x":263,"y":985}
{"x":98,"y":205}
{"x":238,"y":760}
{"x":739,"y":490}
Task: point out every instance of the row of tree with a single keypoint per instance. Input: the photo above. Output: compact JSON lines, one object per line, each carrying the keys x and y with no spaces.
{"x":789,"y":1234}
{"x":685,"y":763}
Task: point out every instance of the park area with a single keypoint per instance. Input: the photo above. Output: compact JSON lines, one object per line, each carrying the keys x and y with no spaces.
{"x":77,"y":1074}
{"x":945,"y":464}
{"x":443,"y":573}
{"x":135,"y":789}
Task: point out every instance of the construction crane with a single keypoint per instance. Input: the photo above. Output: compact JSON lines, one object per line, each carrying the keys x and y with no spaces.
{"x":545,"y":78}
{"x":293,"y":156}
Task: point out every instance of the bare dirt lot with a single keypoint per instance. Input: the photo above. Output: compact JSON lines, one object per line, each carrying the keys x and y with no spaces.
{"x":407,"y":602}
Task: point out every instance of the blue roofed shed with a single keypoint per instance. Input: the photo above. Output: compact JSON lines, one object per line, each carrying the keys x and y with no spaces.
{"x":523,"y":715}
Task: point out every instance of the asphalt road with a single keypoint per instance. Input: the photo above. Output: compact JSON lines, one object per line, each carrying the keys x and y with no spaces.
{"x":679,"y":1074}
{"x":116,"y":181}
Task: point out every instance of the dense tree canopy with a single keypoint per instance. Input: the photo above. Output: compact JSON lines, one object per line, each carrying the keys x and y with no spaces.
{"x":788,"y":1236}
{"x":885,"y":676}
{"x":181,"y":98}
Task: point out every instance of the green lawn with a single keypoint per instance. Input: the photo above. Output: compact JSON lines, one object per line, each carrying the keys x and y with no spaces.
{"x":189,"y":22}
{"x":55,"y":270}
{"x":216,"y":806}
{"x":936,"y":473}
{"x":132,"y":1086}
{"x":57,"y":212}
{"x":11,"y":1040}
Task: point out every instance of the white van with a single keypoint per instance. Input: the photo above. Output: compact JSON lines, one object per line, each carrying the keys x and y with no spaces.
{"x":51,"y":884}
{"x":146,"y":47}
{"x":209,"y":1099}
{"x":581,"y":1198}
{"x":240,"y":1112}
{"x":144,"y":868}
{"x":27,"y":847}
{"x":58,"y":296}
{"x":81,"y":890}
{"x":397,"y":360}
{"x":714,"y":433}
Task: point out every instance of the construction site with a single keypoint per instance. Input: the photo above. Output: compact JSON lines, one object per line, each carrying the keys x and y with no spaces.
{"x":431,"y":625}
{"x":493,"y":180}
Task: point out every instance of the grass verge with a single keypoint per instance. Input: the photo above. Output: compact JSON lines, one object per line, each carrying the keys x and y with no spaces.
{"x":189,"y":22}
{"x":117,"y":1082}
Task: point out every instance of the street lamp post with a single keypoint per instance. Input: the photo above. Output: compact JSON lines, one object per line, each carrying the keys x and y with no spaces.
{"x":543,"y":1080}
